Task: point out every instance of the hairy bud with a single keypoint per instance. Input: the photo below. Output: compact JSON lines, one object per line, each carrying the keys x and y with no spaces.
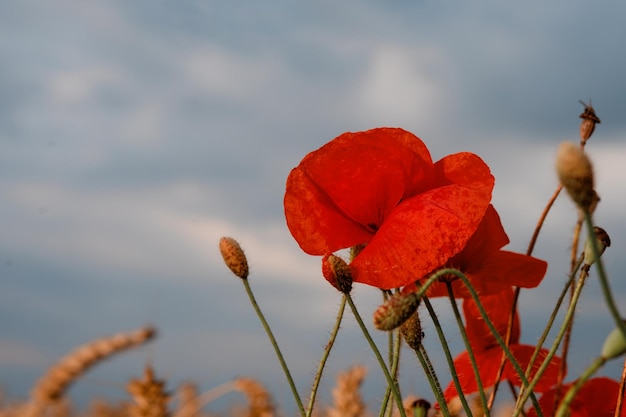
{"x":234,"y":258}
{"x":398,"y":308}
{"x":337,"y":272}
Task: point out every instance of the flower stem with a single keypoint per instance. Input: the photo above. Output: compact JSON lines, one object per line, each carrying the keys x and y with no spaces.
{"x":527,"y":389}
{"x":394,"y":359}
{"x":392,"y":383}
{"x":468,"y":347}
{"x":604,"y":281}
{"x":422,"y":355}
{"x":327,"y":349}
{"x":571,"y":393}
{"x":498,"y":338}
{"x":620,"y":394}
{"x":266,"y":326}
{"x":448,"y":355}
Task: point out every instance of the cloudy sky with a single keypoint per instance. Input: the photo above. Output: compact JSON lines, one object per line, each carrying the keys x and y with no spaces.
{"x":134,"y":134}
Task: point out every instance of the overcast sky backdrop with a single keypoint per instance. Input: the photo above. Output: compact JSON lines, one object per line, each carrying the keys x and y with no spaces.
{"x":133,"y":134}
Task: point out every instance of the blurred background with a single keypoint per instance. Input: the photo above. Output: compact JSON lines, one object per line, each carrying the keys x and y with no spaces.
{"x":133,"y":135}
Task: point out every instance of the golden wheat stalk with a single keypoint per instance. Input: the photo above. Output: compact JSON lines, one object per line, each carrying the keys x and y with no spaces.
{"x":149,"y":396}
{"x":53,"y":384}
{"x":347,"y":395}
{"x":260,"y":400}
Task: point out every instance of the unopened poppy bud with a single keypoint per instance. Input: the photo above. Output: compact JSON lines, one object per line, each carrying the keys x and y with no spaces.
{"x":412,"y":331}
{"x":337,"y":272}
{"x":614,"y":345}
{"x":234,"y":257}
{"x":602,"y":240}
{"x":396,"y":310}
{"x":576,"y":174}
{"x":588,"y":124}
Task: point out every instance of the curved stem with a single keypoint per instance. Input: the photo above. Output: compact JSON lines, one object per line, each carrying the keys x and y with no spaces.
{"x":448,"y":355}
{"x":604,"y":281}
{"x":497,"y":336}
{"x":392,"y":383}
{"x":571,"y":393}
{"x":555,"y":345}
{"x":281,"y":359}
{"x":468,"y":347}
{"x":552,"y":318}
{"x":529,"y":251}
{"x":327,"y":349}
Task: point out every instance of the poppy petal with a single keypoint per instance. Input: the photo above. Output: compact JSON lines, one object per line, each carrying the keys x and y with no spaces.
{"x":420,"y":235}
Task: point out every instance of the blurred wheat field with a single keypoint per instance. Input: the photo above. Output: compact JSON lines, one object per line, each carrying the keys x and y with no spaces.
{"x":150,"y":396}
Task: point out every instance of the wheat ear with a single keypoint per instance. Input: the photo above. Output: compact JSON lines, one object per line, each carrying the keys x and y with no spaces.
{"x":260,"y":400}
{"x":149,"y":396}
{"x":347,"y":395}
{"x":53,"y":384}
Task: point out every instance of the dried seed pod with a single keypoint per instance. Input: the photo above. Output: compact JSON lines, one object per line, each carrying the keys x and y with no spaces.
{"x":234,"y":258}
{"x":412,"y":331}
{"x":576,"y":174}
{"x":337,"y":272}
{"x":588,"y":124}
{"x":396,"y":310}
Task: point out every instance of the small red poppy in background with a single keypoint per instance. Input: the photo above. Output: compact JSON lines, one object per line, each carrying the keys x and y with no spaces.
{"x":381,"y":188}
{"x":489,"y":269}
{"x":597,"y":398}
{"x":488,"y":353}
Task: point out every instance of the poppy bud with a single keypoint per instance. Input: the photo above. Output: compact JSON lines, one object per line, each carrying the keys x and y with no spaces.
{"x":602,"y":240}
{"x":588,"y":124}
{"x":614,"y":345}
{"x":412,"y":331}
{"x":234,"y":257}
{"x":337,"y":272}
{"x":576,"y":174}
{"x":396,"y":310}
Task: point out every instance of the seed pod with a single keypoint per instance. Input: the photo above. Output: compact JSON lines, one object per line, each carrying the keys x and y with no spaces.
{"x":396,"y":311}
{"x":234,"y":257}
{"x":576,"y":174}
{"x":588,"y":124}
{"x":412,"y":331}
{"x":337,"y":272}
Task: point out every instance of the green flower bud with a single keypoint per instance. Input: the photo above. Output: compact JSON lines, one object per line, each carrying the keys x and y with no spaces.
{"x":614,"y":345}
{"x":398,"y":308}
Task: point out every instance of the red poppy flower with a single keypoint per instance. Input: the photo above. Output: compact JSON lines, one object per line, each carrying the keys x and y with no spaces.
{"x":489,"y":269}
{"x":380,"y":187}
{"x":488,"y":353}
{"x":597,"y":398}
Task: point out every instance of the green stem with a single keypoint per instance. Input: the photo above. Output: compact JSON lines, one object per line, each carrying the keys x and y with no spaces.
{"x":448,"y":355}
{"x":604,"y":281}
{"x":394,"y":358}
{"x":555,"y":345}
{"x":422,"y":355}
{"x":571,"y":393}
{"x":497,"y":336}
{"x":327,"y":348}
{"x":381,"y":361}
{"x":266,"y":326}
{"x":468,"y":347}
{"x":553,"y":316}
